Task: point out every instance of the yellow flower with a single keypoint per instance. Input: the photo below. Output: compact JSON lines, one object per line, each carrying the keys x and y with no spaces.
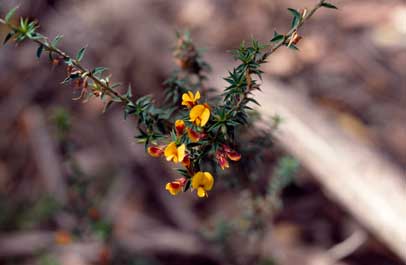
{"x":189,"y":100}
{"x":175,"y":154}
{"x":202,"y":182}
{"x":176,"y":186}
{"x":200,"y":114}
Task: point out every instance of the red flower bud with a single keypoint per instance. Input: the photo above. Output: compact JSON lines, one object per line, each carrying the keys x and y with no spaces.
{"x":233,"y":155}
{"x":186,"y":161}
{"x":155,"y":151}
{"x":195,"y":136}
{"x":179,"y":127}
{"x":222,"y":160}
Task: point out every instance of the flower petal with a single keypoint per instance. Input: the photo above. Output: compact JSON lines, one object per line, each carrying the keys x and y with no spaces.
{"x":170,"y":151}
{"x":202,"y":182}
{"x":197,"y":96}
{"x":197,"y":179}
{"x":195,"y":112}
{"x":205,"y":116}
{"x":193,"y":135}
{"x":209,"y":181}
{"x":200,"y":114}
{"x":181,"y":151}
{"x":155,"y":151}
{"x":233,"y":155}
{"x":173,"y":189}
{"x":201,"y":192}
{"x":186,"y":161}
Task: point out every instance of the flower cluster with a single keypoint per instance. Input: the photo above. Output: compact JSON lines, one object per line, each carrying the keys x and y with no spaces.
{"x":191,"y":132}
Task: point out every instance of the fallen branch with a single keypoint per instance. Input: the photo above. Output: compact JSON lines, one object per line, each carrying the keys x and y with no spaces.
{"x":27,"y":243}
{"x":371,"y":188}
{"x":44,"y":153}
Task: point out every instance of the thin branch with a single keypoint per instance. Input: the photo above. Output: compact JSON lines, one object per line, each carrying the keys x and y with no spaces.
{"x":46,"y":44}
{"x":293,"y":30}
{"x":287,"y":36}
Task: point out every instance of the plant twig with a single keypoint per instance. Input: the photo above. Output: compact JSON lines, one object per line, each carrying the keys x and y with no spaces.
{"x":305,"y":17}
{"x":293,"y":30}
{"x":83,"y":70}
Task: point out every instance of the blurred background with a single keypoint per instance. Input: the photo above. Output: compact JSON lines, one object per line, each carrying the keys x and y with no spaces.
{"x":75,"y":187}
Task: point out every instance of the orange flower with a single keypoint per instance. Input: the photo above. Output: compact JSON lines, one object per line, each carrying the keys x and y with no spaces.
{"x":174,"y":153}
{"x":200,"y":114}
{"x":176,"y":186}
{"x":194,"y":136}
{"x":63,"y":238}
{"x":179,"y":127}
{"x":224,"y":152}
{"x":189,"y":100}
{"x":155,"y":151}
{"x":231,"y":154}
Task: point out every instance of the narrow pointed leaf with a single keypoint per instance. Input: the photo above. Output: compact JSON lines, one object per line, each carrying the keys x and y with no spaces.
{"x":8,"y":37}
{"x":57,"y":39}
{"x":107,"y":106}
{"x":98,"y":70}
{"x":80,"y":54}
{"x":277,"y":37}
{"x":129,"y":92}
{"x":296,"y":17}
{"x":329,"y":5}
{"x":39,"y":50}
{"x":10,"y":14}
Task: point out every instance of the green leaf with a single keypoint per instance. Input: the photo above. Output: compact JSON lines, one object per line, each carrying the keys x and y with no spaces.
{"x":8,"y":37}
{"x":37,"y":36}
{"x":70,"y":78}
{"x":329,"y":5}
{"x":183,"y":172}
{"x":39,"y":50}
{"x":98,"y":70}
{"x":10,"y":14}
{"x":294,"y":12}
{"x":68,"y":61}
{"x":296,"y":17}
{"x":23,"y":24}
{"x":253,"y":101}
{"x":107,"y":106}
{"x":57,"y":39}
{"x":115,"y":85}
{"x":187,"y":186}
{"x":293,"y":47}
{"x":277,"y":37}
{"x":50,"y":57}
{"x":80,"y":54}
{"x":129,"y":93}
